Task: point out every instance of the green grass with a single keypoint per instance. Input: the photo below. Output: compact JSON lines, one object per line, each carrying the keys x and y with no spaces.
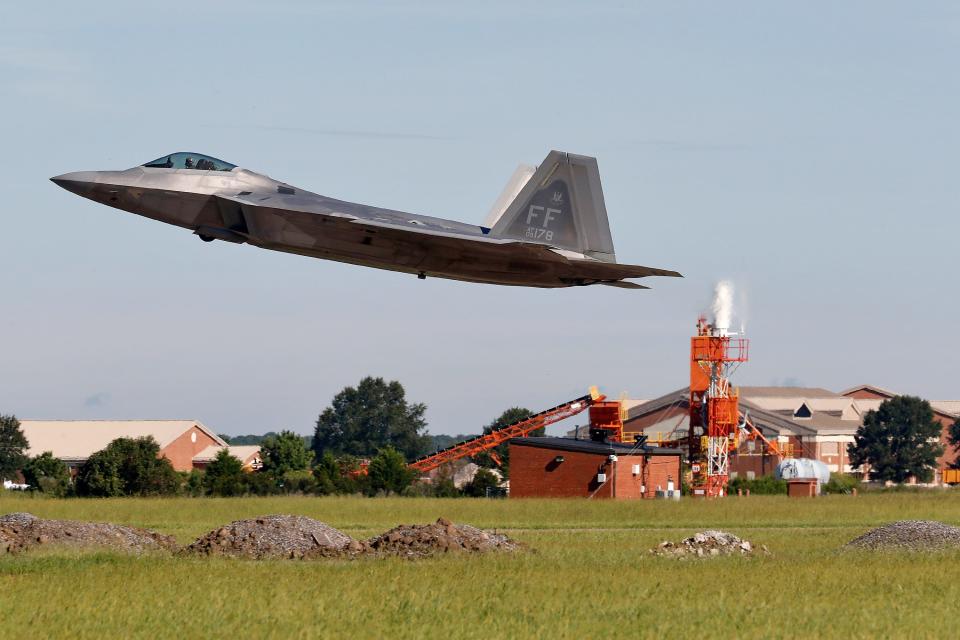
{"x":589,"y":575}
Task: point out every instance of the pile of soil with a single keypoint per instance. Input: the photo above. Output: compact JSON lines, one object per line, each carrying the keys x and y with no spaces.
{"x":707,"y":544}
{"x":443,"y":536}
{"x":908,"y":535}
{"x":22,"y":531}
{"x":276,"y":536}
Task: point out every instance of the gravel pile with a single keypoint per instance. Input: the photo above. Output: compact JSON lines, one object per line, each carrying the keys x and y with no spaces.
{"x":276,"y":536}
{"x":909,"y":535}
{"x":443,"y":536}
{"x":22,"y":531}
{"x":706,"y":544}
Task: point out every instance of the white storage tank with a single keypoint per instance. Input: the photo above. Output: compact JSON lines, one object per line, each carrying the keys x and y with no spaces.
{"x":791,"y":468}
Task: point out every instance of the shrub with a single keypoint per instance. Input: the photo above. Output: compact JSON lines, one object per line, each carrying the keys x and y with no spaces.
{"x":192,"y":483}
{"x":224,"y":475}
{"x":840,"y":483}
{"x":298,"y":482}
{"x":128,"y":467}
{"x":444,"y":488}
{"x":326,"y":474}
{"x":13,"y":445}
{"x":285,"y":452}
{"x":48,"y":474}
{"x":440,"y":488}
{"x":484,"y":483}
{"x":388,"y":472}
{"x":260,"y":484}
{"x":764,"y":485}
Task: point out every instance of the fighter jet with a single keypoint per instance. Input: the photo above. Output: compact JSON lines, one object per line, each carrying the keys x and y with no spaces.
{"x":547,"y":229}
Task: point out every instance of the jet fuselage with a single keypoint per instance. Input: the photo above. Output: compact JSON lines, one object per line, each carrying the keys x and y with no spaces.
{"x":224,"y":202}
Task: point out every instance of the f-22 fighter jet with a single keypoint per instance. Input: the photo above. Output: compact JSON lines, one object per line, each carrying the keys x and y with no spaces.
{"x":547,"y":229}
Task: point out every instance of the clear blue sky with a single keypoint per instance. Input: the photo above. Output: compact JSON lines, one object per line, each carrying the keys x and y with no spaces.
{"x":808,"y":151}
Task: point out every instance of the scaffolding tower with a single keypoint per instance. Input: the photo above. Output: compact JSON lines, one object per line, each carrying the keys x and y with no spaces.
{"x":714,"y":406}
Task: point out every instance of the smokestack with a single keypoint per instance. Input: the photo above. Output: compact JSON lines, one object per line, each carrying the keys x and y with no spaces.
{"x":723,"y":307}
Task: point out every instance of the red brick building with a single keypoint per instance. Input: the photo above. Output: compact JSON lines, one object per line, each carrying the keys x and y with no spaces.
{"x":74,"y":441}
{"x":565,"y":468}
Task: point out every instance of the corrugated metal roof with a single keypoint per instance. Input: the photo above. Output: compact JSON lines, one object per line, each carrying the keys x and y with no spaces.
{"x":78,"y":439}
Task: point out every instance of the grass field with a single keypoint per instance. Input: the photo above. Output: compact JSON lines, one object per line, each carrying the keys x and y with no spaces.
{"x":589,"y":575}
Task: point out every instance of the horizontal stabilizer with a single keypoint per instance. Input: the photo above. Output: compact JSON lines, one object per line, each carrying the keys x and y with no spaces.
{"x":623,"y":284}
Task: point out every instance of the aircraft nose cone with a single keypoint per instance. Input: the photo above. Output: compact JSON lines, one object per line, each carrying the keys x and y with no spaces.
{"x":79,"y":182}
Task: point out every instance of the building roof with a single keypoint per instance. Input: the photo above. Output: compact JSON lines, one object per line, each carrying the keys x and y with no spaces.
{"x":240,"y":452}
{"x":589,"y":446}
{"x":944,"y":407}
{"x":674,"y":397}
{"x":947,"y":406}
{"x":787,"y":392}
{"x":79,"y":439}
{"x":872,"y":388}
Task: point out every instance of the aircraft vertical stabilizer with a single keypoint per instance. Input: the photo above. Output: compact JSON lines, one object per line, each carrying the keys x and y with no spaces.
{"x":561,"y":205}
{"x":517,"y":182}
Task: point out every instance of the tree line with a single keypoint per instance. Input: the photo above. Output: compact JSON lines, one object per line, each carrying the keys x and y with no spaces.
{"x":363,"y":441}
{"x":362,"y":444}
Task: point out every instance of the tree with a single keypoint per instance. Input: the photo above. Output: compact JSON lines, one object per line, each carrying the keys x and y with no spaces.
{"x":484,"y":481}
{"x":224,"y":475}
{"x":285,"y":452}
{"x":953,"y":437}
{"x":47,"y":474}
{"x":502,"y":451}
{"x":13,"y":445}
{"x":364,"y":419}
{"x":127,"y":467}
{"x":388,"y":471}
{"x":327,"y":474}
{"x":898,"y":441}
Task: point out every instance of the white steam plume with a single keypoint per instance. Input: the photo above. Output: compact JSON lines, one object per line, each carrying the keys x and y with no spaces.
{"x":723,"y":305}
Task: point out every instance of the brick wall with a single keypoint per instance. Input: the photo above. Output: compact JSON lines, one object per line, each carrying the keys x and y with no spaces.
{"x":534,"y":473}
{"x":181,"y":451}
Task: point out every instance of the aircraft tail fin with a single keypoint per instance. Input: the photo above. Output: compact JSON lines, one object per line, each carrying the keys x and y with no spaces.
{"x":561,"y":204}
{"x":517,"y":182}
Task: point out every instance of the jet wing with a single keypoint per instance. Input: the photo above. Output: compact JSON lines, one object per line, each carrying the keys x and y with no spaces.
{"x":297,"y":224}
{"x":307,"y":215}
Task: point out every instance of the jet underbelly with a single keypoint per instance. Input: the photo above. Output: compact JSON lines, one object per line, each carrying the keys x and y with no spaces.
{"x":354,"y":242}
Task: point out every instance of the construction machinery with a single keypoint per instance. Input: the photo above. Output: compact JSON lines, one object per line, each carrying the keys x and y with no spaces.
{"x":714,"y":429}
{"x":608,"y":416}
{"x":606,"y":422}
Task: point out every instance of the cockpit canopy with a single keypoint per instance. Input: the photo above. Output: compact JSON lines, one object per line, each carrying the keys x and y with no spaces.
{"x":185,"y":160}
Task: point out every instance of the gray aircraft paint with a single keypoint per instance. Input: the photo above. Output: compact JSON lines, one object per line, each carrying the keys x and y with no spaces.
{"x":554,"y":233}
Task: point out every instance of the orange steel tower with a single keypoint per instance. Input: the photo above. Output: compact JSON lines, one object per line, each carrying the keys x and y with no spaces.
{"x":714,"y":406}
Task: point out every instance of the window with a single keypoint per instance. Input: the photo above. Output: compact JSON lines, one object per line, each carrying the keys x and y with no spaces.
{"x":186,"y":160}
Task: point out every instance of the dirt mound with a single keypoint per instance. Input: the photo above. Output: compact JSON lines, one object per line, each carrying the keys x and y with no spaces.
{"x":22,"y":531}
{"x":276,"y":536}
{"x":706,"y":544}
{"x":443,"y":536}
{"x":909,"y":535}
